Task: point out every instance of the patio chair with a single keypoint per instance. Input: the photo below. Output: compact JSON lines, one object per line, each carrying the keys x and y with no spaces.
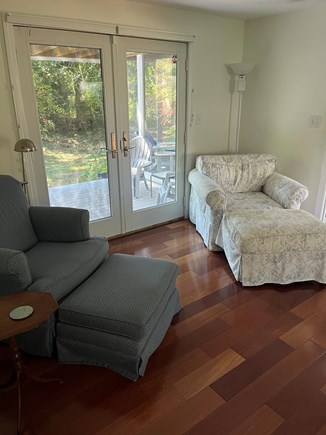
{"x":167,"y":189}
{"x":140,"y":159}
{"x":164,"y":176}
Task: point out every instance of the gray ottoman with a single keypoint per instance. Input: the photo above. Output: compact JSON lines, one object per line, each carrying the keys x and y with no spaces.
{"x":120,"y":315}
{"x":274,"y":246}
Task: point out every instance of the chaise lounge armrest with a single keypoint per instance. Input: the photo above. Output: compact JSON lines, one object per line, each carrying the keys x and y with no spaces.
{"x":60,"y":224}
{"x":207,"y":190}
{"x":15,"y":275}
{"x":286,"y":191}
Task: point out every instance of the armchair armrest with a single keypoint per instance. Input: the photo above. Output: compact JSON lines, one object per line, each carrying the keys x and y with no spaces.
{"x":286,"y":191}
{"x":207,"y":190}
{"x":14,"y":272}
{"x":60,"y":224}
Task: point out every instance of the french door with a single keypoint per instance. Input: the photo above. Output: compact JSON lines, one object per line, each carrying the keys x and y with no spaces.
{"x":108,"y":117}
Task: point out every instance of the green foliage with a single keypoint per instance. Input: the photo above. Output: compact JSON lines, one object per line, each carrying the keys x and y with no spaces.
{"x":160,"y":96}
{"x":73,"y":160}
{"x":132,"y":94}
{"x":69,"y":98}
{"x":70,"y":106}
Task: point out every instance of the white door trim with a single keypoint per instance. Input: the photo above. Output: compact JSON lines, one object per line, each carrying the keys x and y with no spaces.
{"x":320,"y":210}
{"x":60,"y":23}
{"x":93,"y":27}
{"x":18,"y":102}
{"x":140,"y":32}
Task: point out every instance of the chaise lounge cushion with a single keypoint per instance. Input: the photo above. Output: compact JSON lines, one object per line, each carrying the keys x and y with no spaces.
{"x":250,"y":200}
{"x":274,"y":246}
{"x":275,"y":231}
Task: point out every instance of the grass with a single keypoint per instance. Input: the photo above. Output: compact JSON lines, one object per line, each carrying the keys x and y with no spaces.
{"x":70,"y":160}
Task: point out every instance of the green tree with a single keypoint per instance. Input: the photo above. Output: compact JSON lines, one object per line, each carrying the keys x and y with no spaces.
{"x":69,"y":96}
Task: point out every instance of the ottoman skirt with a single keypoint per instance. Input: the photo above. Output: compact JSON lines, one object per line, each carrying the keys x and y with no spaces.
{"x":118,"y":317}
{"x":274,"y":246}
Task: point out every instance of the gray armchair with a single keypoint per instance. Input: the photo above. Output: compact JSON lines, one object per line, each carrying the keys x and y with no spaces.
{"x":45,"y":249}
{"x":113,"y":311}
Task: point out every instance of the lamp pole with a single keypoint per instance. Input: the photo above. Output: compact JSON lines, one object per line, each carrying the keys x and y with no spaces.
{"x":25,"y":146}
{"x":240,"y":70}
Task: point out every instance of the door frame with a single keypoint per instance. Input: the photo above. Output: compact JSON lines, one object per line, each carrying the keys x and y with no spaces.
{"x":10,"y":20}
{"x":320,"y":210}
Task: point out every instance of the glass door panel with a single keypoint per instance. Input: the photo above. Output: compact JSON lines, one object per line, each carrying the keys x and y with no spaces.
{"x":67,"y":93}
{"x":68,"y":87}
{"x":152,"y":127}
{"x":151,"y":84}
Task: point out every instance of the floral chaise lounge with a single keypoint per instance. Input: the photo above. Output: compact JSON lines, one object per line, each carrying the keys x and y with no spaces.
{"x":241,"y":205}
{"x":221,"y":183}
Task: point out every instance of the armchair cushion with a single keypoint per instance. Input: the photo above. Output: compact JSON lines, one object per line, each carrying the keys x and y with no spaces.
{"x":237,"y":173}
{"x":250,"y":200}
{"x":287,"y":192}
{"x":15,"y":274}
{"x":47,"y":223}
{"x":59,"y":268}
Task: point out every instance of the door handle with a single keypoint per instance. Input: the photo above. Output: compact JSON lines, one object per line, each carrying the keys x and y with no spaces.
{"x":125,"y":144}
{"x":114,"y":149}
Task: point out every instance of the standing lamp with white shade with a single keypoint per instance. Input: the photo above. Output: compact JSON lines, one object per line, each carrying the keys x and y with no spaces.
{"x":240,"y":70}
{"x":24,"y":146}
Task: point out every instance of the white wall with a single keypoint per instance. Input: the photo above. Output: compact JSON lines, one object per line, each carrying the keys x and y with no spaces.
{"x":218,"y":42}
{"x":284,"y":89}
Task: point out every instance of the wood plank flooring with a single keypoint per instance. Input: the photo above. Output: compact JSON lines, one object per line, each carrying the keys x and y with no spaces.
{"x":236,"y":360}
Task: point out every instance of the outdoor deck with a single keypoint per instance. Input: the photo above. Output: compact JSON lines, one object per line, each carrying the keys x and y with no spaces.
{"x":94,"y":196}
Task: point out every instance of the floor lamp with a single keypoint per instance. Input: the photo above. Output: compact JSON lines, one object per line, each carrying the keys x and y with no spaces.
{"x":24,"y":146}
{"x":240,"y":70}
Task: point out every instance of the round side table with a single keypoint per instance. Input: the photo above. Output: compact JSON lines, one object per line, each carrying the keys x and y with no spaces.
{"x":43,"y":305}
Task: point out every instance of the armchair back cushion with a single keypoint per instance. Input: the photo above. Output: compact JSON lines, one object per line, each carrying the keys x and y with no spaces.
{"x":237,"y":173}
{"x":16,"y":229}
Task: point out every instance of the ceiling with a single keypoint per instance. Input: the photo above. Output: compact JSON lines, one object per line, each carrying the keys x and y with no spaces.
{"x":244,"y":9}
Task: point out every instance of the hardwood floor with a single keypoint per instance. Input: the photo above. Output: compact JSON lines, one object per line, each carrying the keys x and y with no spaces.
{"x":235,"y":361}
